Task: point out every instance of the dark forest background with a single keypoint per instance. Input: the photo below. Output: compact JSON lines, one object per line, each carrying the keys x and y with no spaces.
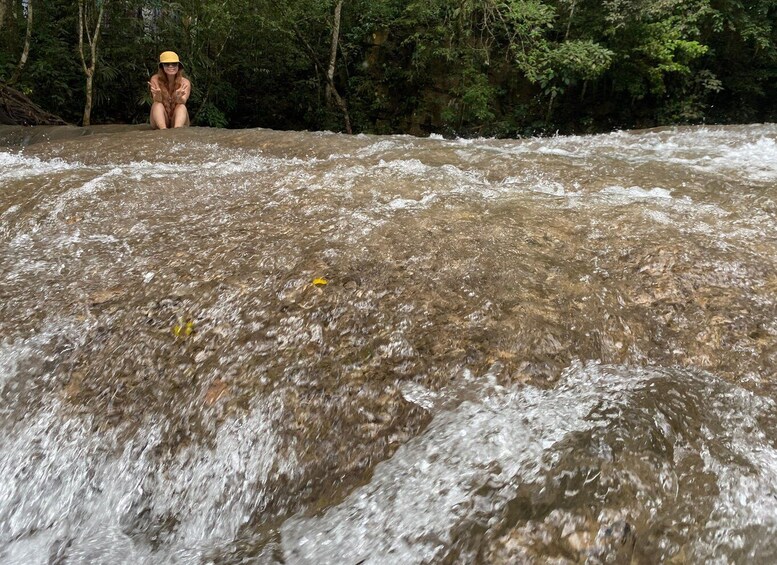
{"x":455,"y":67}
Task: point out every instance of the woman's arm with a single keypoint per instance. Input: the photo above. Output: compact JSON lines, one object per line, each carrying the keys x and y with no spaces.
{"x":156,"y":91}
{"x":182,"y":94}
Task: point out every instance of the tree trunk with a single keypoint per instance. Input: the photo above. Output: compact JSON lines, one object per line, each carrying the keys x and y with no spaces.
{"x":571,"y":15}
{"x":26,"y":51}
{"x":88,"y":104}
{"x":330,"y":73}
{"x":93,"y":39}
{"x":331,"y":91}
{"x":330,"y":85}
{"x":344,"y":108}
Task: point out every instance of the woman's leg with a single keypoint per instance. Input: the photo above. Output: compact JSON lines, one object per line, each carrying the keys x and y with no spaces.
{"x":158,"y":116}
{"x":180,"y":116}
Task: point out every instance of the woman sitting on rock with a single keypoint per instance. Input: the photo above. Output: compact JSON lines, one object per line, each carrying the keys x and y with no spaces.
{"x":170,"y":90}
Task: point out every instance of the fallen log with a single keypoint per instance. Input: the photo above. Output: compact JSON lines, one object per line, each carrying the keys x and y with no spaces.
{"x":17,"y":109}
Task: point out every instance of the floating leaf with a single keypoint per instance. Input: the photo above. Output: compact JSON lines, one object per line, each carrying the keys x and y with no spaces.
{"x":320,"y":282}
{"x":106,"y":295}
{"x":183,"y":329}
{"x":215,"y":391}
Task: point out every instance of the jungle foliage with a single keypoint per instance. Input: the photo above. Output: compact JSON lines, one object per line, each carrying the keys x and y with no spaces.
{"x":456,"y":67}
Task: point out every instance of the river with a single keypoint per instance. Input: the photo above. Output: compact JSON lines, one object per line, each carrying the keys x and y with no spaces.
{"x":250,"y":346}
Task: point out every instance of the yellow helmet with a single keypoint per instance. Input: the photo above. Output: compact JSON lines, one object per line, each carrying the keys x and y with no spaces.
{"x":169,"y":57}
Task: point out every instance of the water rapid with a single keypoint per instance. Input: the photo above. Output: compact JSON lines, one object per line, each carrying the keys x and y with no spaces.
{"x":288,"y":347}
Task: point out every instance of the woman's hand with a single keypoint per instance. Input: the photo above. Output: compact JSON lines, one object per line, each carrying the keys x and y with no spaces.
{"x":181,"y":95}
{"x":156,"y":92}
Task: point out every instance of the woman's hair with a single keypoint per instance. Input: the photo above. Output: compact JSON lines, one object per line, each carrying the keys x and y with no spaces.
{"x":168,"y":89}
{"x":166,"y":85}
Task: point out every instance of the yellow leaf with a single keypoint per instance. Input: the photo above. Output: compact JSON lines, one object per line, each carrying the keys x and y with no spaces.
{"x":320,"y":281}
{"x":183,"y":329}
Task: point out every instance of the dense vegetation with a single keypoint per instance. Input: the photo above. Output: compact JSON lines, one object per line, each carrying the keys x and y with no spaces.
{"x":466,"y":67}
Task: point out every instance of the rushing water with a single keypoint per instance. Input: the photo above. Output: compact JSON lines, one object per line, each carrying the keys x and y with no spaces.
{"x":263,"y":347}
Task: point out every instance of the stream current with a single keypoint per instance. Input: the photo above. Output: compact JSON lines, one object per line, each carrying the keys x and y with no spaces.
{"x":223,"y":347}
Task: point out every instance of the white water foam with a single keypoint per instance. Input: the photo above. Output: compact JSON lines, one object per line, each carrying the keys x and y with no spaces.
{"x":67,"y":489}
{"x":637,"y":193}
{"x":469,"y":463}
{"x":14,"y":354}
{"x":745,"y":152}
{"x":746,"y":479}
{"x":14,"y":166}
{"x":416,"y":500}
